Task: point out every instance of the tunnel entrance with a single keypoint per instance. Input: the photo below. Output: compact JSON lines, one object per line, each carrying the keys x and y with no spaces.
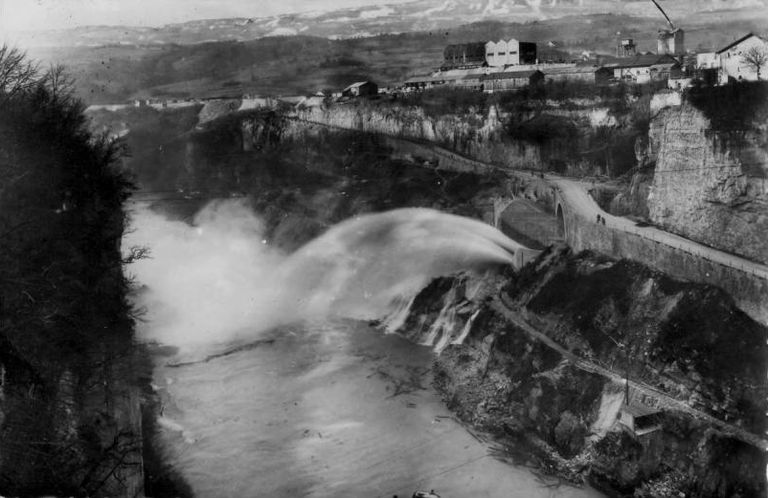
{"x":560,"y":222}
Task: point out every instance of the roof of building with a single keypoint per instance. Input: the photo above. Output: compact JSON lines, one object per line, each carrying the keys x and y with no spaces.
{"x":639,"y":410}
{"x":645,"y":60}
{"x":357,"y":85}
{"x":510,"y":75}
{"x":454,"y":74}
{"x":743,"y":38}
{"x":425,"y":79}
{"x":569,"y":70}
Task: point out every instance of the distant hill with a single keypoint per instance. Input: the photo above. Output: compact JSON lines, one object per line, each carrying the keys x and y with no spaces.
{"x":409,"y":16}
{"x":300,"y":64}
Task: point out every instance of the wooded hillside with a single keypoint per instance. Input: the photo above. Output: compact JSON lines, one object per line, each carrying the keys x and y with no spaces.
{"x":68,"y":400}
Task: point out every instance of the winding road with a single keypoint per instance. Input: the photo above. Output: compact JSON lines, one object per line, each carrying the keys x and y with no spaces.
{"x":576,"y":194}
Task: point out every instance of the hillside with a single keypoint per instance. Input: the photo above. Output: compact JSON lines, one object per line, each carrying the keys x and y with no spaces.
{"x":68,"y":393}
{"x":290,"y":65}
{"x":682,"y":345}
{"x":401,"y":16}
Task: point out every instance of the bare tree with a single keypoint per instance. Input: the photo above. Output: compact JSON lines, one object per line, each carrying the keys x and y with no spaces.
{"x":17,"y":74}
{"x":756,"y":57}
{"x":59,"y":83}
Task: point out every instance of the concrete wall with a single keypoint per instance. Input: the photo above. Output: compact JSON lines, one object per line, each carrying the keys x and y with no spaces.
{"x":749,"y":291}
{"x":523,"y":218}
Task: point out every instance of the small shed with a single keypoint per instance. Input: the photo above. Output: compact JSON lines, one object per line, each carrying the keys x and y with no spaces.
{"x":640,"y":419}
{"x":360,"y":89}
{"x":511,"y":80}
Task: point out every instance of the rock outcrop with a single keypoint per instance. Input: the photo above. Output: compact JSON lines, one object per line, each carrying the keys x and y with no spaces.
{"x":711,"y":186}
{"x":684,"y":342}
{"x":567,"y":140}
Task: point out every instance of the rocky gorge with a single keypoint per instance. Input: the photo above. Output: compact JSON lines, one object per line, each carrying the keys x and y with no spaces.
{"x":553,"y":412}
{"x":540,"y":359}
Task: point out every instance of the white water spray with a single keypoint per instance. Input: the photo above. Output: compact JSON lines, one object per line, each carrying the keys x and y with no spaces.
{"x":215,"y":281}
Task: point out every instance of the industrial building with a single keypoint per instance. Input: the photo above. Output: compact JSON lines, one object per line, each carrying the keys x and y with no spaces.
{"x":644,"y":68}
{"x":510,"y":80}
{"x":510,"y":53}
{"x":492,"y":54}
{"x":464,"y":55}
{"x":585,"y":74}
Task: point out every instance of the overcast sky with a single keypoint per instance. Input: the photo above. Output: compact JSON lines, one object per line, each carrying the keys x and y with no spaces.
{"x":50,"y":14}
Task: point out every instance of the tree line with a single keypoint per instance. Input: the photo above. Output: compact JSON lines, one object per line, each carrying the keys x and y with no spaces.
{"x":66,"y":356}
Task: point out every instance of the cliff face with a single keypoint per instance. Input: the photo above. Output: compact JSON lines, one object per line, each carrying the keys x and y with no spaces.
{"x":681,"y":341}
{"x":711,"y":186}
{"x":578,"y":141}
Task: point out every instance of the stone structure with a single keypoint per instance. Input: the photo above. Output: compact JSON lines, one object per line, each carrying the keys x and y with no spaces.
{"x":671,"y":42}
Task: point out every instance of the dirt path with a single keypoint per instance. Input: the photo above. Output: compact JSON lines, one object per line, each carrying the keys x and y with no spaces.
{"x":513,"y":315}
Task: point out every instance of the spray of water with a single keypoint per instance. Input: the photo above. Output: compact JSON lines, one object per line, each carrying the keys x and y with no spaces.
{"x":217,"y":280}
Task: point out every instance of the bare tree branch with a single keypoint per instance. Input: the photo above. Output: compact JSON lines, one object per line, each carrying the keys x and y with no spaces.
{"x":755,"y":57}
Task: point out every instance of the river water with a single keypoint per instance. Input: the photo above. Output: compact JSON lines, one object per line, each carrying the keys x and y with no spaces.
{"x":334,"y":410}
{"x":319,"y":408}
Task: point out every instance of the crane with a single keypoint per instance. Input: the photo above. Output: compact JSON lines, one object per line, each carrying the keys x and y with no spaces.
{"x":671,"y":41}
{"x":671,"y":25}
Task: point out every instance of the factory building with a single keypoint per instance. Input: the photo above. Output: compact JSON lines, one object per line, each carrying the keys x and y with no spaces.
{"x":510,"y":80}
{"x":510,"y":53}
{"x":464,"y":55}
{"x":585,"y":74}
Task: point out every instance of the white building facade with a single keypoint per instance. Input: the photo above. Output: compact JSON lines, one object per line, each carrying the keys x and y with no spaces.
{"x":509,"y":53}
{"x":731,"y":60}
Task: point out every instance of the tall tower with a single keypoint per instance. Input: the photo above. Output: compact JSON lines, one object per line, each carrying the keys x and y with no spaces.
{"x":671,"y":42}
{"x":626,"y":48}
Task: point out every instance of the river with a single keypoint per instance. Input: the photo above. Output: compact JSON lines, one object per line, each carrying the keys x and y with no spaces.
{"x":320,"y":408}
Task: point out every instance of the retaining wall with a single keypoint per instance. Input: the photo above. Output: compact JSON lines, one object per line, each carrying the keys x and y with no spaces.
{"x":749,"y":291}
